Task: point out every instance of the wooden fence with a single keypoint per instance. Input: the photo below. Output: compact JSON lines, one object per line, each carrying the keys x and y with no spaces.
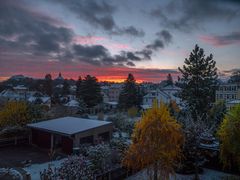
{"x":18,"y":140}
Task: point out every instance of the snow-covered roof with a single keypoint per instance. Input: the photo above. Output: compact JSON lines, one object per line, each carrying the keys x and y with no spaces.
{"x":170,"y":87}
{"x":112,"y":102}
{"x":68,"y":125}
{"x":72,"y":103}
{"x":44,"y":99}
{"x":156,"y":93}
{"x":59,"y":86}
{"x":237,"y":101}
{"x":20,"y":87}
{"x":146,"y":106}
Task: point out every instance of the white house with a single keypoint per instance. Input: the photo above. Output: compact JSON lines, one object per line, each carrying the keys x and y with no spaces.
{"x":165,"y":94}
{"x":159,"y":95}
{"x":172,"y":91}
{"x":22,"y":94}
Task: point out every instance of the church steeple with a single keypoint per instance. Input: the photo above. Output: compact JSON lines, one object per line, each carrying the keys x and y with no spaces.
{"x":60,"y":77}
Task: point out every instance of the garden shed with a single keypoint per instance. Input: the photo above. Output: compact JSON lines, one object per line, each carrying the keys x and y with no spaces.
{"x":67,"y":133}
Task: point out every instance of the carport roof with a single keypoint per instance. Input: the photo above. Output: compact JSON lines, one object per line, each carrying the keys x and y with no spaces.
{"x":68,"y":125}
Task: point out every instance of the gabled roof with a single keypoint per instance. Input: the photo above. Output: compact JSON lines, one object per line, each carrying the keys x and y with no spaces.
{"x":68,"y":125}
{"x":157,"y":93}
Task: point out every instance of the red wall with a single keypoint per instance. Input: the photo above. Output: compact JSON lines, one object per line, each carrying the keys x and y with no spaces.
{"x":67,"y":145}
{"x":41,"y":138}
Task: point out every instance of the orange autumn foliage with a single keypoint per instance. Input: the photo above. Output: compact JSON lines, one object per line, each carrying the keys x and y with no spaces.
{"x":156,"y":142}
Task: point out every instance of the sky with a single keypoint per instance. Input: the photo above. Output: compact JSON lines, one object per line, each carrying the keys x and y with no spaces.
{"x":109,"y":39}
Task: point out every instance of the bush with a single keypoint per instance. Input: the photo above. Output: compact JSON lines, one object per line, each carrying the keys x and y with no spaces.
{"x":122,"y":123}
{"x":229,"y":136}
{"x":74,"y":167}
{"x":15,"y":113}
{"x":99,"y":155}
{"x":132,"y":112}
{"x":119,"y":146}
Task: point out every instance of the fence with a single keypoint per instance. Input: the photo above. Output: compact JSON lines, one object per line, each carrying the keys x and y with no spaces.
{"x":14,"y":141}
{"x":115,"y":174}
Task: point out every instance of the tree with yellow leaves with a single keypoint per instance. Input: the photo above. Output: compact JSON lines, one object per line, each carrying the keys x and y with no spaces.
{"x":15,"y":113}
{"x":229,"y":136}
{"x":156,"y":143}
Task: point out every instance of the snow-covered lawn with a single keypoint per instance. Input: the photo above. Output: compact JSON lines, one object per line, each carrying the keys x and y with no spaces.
{"x":35,"y":169}
{"x":208,"y":174}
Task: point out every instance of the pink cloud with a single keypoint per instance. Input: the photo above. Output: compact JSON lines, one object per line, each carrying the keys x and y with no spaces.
{"x":222,"y":40}
{"x":120,"y":46}
{"x":87,"y":40}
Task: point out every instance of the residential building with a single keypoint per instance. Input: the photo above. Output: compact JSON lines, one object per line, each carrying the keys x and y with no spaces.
{"x":165,"y":94}
{"x":228,"y":92}
{"x":111,"y":95}
{"x":21,"y":93}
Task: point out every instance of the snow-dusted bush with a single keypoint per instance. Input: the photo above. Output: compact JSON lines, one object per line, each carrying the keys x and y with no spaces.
{"x":9,"y":173}
{"x":195,"y":131}
{"x":100,"y":156}
{"x":122,"y":123}
{"x":76,"y":168}
{"x":49,"y":174}
{"x":119,"y":146}
{"x":73,"y":168}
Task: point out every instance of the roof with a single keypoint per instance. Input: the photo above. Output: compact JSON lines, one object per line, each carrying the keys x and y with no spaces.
{"x":72,"y":103}
{"x":156,"y":94}
{"x":68,"y":125}
{"x":237,"y":101}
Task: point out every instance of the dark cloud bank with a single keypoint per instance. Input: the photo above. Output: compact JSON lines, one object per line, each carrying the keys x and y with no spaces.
{"x":32,"y":32}
{"x":185,"y":15}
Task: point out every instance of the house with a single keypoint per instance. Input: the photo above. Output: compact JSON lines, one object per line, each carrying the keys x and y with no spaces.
{"x":66,"y":133}
{"x":111,"y":95}
{"x":172,"y":91}
{"x":20,"y":93}
{"x":228,"y":92}
{"x":165,"y":94}
{"x":114,"y":92}
{"x":159,"y":95}
{"x":231,"y":104}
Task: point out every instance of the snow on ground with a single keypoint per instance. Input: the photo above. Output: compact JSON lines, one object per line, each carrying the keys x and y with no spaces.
{"x":208,"y":174}
{"x":35,"y":169}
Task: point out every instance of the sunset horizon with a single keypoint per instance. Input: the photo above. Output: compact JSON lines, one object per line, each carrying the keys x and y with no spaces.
{"x":106,"y":39}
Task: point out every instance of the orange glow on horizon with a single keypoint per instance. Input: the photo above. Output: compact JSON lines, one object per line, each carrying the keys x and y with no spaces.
{"x":4,"y":78}
{"x":115,"y":79}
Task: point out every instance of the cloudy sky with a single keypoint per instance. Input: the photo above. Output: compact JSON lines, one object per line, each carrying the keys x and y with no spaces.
{"x":111,"y":38}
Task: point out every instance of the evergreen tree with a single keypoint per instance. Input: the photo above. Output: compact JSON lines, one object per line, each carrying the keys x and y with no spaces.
{"x":169,"y":80}
{"x":78,"y":84}
{"x":90,"y":91}
{"x":198,"y":82}
{"x":65,"y":89}
{"x":130,"y":95}
{"x":216,"y":114}
{"x":48,"y":87}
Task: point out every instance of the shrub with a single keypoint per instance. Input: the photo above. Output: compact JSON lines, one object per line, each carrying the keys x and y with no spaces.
{"x":132,"y":112}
